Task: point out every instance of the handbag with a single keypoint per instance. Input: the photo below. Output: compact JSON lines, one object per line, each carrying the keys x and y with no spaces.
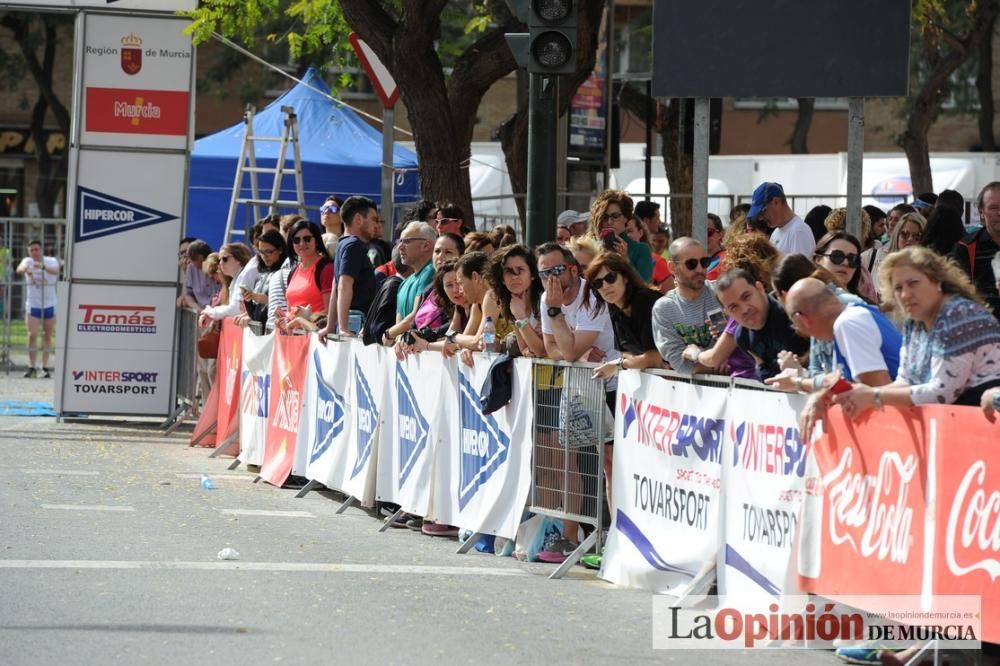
{"x":208,"y":343}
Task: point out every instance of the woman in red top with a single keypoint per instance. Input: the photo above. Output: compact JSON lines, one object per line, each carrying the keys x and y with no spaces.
{"x":310,"y":282}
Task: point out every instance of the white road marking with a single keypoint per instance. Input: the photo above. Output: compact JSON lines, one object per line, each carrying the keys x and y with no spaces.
{"x":257,"y":512}
{"x":230,"y":475}
{"x":88,"y":507}
{"x":61,"y":472}
{"x":293,"y":567}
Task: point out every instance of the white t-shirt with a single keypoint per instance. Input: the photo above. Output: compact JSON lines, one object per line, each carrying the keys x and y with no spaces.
{"x":859,"y":340}
{"x":40,"y":286}
{"x":579,"y":319}
{"x":794,"y":238}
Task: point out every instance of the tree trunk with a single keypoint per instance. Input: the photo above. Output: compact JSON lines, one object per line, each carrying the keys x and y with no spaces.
{"x":984,"y":90}
{"x":800,"y":134}
{"x":679,"y":165}
{"x":513,"y":134}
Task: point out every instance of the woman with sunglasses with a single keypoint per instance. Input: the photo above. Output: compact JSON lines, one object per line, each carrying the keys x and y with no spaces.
{"x":271,"y":256}
{"x":840,"y":253}
{"x":233,"y":259}
{"x":514,"y":296}
{"x":951,"y":342}
{"x":310,"y":282}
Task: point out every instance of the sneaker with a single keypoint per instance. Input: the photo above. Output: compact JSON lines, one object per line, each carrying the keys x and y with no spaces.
{"x":401,"y":520}
{"x":558,"y":552}
{"x":591,"y":561}
{"x":387,"y":509}
{"x":415,"y":523}
{"x":438,"y":529}
{"x":47,"y":373}
{"x":866,"y":656}
{"x":29,"y":373}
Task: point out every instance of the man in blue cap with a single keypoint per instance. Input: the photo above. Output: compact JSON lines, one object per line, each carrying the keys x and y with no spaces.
{"x":791,"y":234}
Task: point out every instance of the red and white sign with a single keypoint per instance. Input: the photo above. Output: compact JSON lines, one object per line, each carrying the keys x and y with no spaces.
{"x":126,"y":111}
{"x":910,"y":505}
{"x":289,"y":369}
{"x":382,"y":81}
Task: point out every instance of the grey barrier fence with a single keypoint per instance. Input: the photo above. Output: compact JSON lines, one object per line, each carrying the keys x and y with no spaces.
{"x":187,"y":370}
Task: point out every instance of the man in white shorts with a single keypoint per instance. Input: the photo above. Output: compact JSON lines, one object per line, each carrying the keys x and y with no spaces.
{"x":40,"y":276}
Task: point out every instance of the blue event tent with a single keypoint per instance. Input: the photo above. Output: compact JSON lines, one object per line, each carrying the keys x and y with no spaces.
{"x":341,"y":154}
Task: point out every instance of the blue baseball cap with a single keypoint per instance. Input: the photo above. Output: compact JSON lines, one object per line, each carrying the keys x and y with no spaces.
{"x":920,"y":204}
{"x":764,"y":193}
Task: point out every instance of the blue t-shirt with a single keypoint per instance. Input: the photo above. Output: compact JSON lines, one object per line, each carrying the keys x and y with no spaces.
{"x":352,"y":259}
{"x":413,"y":286}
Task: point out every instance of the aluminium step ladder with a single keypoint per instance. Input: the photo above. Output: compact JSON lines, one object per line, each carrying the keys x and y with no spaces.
{"x":248,"y":167}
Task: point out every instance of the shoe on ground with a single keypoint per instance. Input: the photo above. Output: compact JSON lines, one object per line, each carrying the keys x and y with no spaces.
{"x":865,"y":656}
{"x":415,"y":523}
{"x":47,"y":373}
{"x":437,"y":529}
{"x":29,"y":373}
{"x":401,"y":520}
{"x":388,"y":509}
{"x":559,"y":551}
{"x":592,"y":561}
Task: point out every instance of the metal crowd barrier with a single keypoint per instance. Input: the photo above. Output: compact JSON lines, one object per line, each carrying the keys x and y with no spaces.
{"x":187,"y":370}
{"x":572,"y":423}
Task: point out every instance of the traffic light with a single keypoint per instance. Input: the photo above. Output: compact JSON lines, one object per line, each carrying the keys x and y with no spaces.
{"x":550,"y":45}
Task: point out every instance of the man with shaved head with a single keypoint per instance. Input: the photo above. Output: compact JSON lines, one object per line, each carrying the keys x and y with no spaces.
{"x":681,"y":317}
{"x":865,"y":343}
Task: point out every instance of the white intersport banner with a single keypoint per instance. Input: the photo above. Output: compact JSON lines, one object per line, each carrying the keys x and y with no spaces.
{"x":482,"y":469}
{"x":666,"y":502}
{"x":255,"y":390}
{"x":766,"y":475}
{"x":412,"y":431}
{"x":324,"y":435}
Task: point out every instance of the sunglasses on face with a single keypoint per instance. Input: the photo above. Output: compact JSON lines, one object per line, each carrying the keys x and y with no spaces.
{"x":838,"y":257}
{"x":907,"y":236}
{"x":267,"y":253}
{"x":555,"y":271}
{"x":692,"y":264}
{"x":609,"y":278}
{"x":302,"y":239}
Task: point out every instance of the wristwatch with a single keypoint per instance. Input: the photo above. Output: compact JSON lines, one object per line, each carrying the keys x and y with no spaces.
{"x":449,"y":337}
{"x":554,"y":311}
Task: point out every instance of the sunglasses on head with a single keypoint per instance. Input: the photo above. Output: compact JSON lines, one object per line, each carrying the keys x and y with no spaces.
{"x":838,"y":257}
{"x":692,"y":264}
{"x":555,"y":271}
{"x":609,"y":278}
{"x":302,"y":239}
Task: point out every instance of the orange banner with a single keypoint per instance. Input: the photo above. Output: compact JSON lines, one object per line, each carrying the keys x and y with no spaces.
{"x":227,"y":379}
{"x":910,"y":506}
{"x":289,"y":364}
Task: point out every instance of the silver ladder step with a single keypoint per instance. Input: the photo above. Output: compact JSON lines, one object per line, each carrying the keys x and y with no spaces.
{"x":267,"y":202}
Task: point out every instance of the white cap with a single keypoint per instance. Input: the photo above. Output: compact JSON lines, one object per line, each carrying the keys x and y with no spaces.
{"x":567,"y":217}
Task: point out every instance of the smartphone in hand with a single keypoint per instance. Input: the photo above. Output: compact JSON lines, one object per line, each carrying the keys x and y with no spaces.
{"x":842,"y":386}
{"x":609,"y":239}
{"x":717,"y":318}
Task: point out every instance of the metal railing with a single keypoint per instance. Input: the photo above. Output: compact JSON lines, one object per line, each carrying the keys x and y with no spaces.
{"x":187,"y":370}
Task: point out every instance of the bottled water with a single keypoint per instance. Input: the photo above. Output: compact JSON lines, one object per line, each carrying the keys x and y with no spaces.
{"x":207,"y":483}
{"x":489,"y":335}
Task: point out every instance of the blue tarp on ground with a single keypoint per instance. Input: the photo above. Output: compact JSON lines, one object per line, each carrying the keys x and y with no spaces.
{"x":341,"y":154}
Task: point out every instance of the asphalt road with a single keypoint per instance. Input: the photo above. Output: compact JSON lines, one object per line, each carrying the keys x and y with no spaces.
{"x":108,"y":554}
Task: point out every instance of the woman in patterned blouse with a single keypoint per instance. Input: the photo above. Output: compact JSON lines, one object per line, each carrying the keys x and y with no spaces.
{"x":951,"y":342}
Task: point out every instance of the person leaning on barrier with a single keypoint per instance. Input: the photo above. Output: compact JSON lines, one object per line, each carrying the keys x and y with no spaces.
{"x":764,"y":328}
{"x":454,"y":313}
{"x":200,"y":289}
{"x":239,"y":270}
{"x":355,"y":275}
{"x":416,"y":247}
{"x":951,"y":342}
{"x":680,"y":318}
{"x":517,"y":293}
{"x":865,"y":343}
{"x":271,"y":255}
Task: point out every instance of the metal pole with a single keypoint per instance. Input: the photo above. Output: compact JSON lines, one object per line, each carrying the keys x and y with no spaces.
{"x":388,"y":143}
{"x":855,"y":163}
{"x":650,"y":110}
{"x":699,"y":199}
{"x":609,"y":32}
{"x":541,"y":159}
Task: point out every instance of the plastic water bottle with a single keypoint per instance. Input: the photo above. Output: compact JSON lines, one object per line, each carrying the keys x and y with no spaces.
{"x":489,"y":335}
{"x":207,"y":483}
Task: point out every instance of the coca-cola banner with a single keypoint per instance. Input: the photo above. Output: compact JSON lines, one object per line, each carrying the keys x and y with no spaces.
{"x":910,"y":506}
{"x":666,"y":483}
{"x":766,"y":476}
{"x":289,"y":369}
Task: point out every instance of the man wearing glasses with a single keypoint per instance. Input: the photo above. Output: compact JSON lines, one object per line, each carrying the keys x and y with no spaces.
{"x":791,"y":234}
{"x":680,"y":318}
{"x":416,"y":247}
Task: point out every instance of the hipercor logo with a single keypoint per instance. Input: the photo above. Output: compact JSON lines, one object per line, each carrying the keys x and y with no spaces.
{"x":117,"y":319}
{"x":411,"y":426}
{"x":484,"y":444}
{"x":366,"y":414}
{"x":329,"y":413}
{"x":100,"y":214}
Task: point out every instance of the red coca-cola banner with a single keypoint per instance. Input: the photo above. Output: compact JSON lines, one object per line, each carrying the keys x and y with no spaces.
{"x":227,"y":378}
{"x":289,"y":364}
{"x":910,"y":505}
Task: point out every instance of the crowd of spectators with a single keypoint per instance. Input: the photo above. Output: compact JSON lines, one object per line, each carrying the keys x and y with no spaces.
{"x":904,"y":314}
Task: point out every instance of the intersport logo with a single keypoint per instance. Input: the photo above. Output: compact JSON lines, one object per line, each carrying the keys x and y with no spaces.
{"x":873,"y":513}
